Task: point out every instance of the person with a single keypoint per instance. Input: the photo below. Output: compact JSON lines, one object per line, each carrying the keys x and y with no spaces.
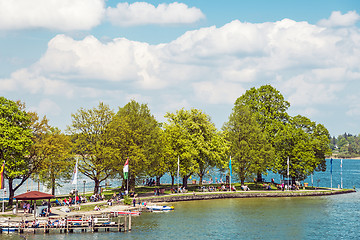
{"x":24,"y":207}
{"x":97,"y":208}
{"x":134,"y":202}
{"x":28,"y":207}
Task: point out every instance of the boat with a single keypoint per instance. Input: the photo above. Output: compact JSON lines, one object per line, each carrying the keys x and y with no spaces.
{"x":136,"y":213}
{"x":9,"y":229}
{"x":160,"y":208}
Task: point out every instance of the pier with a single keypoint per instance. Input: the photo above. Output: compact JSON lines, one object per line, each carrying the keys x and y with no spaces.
{"x":69,"y":224}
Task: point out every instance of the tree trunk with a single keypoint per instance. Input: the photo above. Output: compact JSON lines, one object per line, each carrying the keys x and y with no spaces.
{"x":185,"y":181}
{"x":158,"y":180}
{"x":53,"y":186}
{"x":132,"y":184}
{"x":11,"y":192}
{"x":200,"y":179}
{"x":259,"y":177}
{"x":242,"y":180}
{"x":97,"y":185}
{"x":172,"y":181}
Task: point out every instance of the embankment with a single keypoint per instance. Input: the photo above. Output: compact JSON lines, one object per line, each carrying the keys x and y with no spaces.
{"x":250,"y":194}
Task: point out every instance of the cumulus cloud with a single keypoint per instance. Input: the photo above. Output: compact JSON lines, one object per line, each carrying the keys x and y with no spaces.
{"x":218,"y":92}
{"x":309,"y":64}
{"x":337,"y":19}
{"x":142,"y":13}
{"x":52,"y":14}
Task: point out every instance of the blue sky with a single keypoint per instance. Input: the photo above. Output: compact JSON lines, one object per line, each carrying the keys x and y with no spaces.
{"x":60,"y":55}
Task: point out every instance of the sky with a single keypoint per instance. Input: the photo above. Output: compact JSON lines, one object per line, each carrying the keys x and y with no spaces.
{"x":58,"y":56}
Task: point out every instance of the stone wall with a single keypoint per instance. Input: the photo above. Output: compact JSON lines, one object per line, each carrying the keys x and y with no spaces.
{"x":217,"y":195}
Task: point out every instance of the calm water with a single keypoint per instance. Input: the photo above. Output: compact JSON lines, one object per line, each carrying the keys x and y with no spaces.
{"x":332,"y":217}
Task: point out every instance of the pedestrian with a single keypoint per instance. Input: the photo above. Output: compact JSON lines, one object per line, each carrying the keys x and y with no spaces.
{"x":134,"y":202}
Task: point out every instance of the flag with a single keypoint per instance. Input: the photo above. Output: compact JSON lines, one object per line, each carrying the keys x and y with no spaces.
{"x":230,"y":167}
{"x":126,"y":169}
{"x":2,"y":176}
{"x":331,"y":160}
{"x":74,"y":181}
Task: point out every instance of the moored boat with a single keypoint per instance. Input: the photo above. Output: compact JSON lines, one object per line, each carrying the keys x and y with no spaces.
{"x":160,"y":208}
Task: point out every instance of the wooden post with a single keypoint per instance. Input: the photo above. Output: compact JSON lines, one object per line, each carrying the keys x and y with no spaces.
{"x":67,"y":224}
{"x":125,"y":222}
{"x":35,"y":208}
{"x":129,"y":222}
{"x":119,"y":228}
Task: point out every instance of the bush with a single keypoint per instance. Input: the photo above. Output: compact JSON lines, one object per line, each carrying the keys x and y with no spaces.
{"x":127,"y":200}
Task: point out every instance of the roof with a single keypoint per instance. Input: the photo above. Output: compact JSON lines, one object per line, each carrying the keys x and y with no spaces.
{"x":33,"y":195}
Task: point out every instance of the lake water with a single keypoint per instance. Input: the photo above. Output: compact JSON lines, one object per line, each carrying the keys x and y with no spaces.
{"x":330,"y":217}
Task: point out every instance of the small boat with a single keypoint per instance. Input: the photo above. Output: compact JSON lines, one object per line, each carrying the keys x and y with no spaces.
{"x":9,"y":229}
{"x":136,"y":213}
{"x":160,"y":208}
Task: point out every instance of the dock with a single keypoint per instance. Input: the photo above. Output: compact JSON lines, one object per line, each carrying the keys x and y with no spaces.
{"x":69,"y":224}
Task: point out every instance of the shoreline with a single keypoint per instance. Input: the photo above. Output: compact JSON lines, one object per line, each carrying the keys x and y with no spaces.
{"x":196,"y":196}
{"x":191,"y":196}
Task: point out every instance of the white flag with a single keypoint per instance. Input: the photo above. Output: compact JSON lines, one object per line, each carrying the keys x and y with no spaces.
{"x":74,"y":181}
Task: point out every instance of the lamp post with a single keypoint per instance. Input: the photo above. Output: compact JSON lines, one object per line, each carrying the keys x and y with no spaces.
{"x":84,"y":187}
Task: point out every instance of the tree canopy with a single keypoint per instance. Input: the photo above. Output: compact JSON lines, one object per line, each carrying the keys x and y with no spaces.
{"x":249,"y":146}
{"x":195,"y":141}
{"x":91,"y":142}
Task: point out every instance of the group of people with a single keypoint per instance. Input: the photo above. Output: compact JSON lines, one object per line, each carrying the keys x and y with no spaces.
{"x":71,"y":201}
{"x":50,"y":224}
{"x":285,"y":187}
{"x":27,"y":207}
{"x":97,"y":197}
{"x":179,"y":190}
{"x":214,"y":188}
{"x":149,"y":182}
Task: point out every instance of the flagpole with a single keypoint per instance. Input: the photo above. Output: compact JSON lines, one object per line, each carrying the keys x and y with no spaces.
{"x":331,"y":160}
{"x":230,"y":172}
{"x":3,"y":207}
{"x":341,"y":174}
{"x":288,"y":175}
{"x":178,"y":169}
{"x":2,"y":183}
{"x":76,"y":179}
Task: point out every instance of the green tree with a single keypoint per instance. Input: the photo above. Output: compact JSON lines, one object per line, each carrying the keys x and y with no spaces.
{"x":306,"y":144}
{"x":57,"y":163}
{"x":270,"y":108}
{"x":15,"y":143}
{"x":136,"y":135}
{"x":248,"y":145}
{"x":195,"y":140}
{"x":92,"y":143}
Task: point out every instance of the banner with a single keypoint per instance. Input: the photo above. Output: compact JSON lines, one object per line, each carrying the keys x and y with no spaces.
{"x":126,"y":169}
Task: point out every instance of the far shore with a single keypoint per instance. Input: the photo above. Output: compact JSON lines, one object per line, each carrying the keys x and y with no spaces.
{"x":336,"y":157}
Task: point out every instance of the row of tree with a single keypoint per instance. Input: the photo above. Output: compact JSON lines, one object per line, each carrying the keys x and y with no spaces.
{"x":259,"y":136}
{"x":346,"y":145}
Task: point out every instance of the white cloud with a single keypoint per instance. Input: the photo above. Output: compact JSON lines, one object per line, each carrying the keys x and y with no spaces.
{"x":337,"y":19}
{"x":218,"y":92}
{"x":310,"y":65}
{"x":47,"y":107}
{"x":52,"y":14}
{"x":142,"y":13}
